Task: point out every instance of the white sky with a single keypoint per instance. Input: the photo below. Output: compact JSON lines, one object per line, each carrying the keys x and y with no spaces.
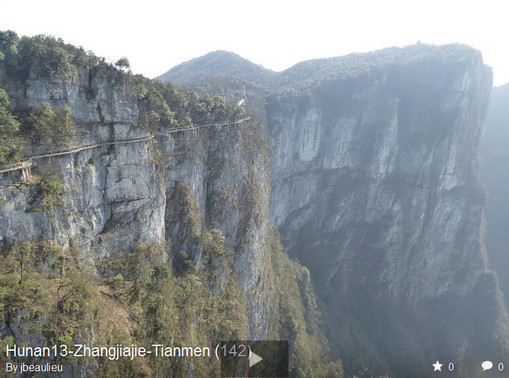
{"x":156,"y":35}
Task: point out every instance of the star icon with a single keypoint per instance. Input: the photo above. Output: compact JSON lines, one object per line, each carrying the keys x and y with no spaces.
{"x":437,"y":366}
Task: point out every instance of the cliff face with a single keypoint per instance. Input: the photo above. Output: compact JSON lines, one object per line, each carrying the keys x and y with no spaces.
{"x":375,"y":189}
{"x":494,"y":158}
{"x":218,"y":178}
{"x":134,"y":187}
{"x":117,"y":193}
{"x":383,"y":167}
{"x":138,"y":213}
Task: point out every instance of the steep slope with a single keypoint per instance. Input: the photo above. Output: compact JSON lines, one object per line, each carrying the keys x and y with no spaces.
{"x":375,"y":190}
{"x":495,"y":175}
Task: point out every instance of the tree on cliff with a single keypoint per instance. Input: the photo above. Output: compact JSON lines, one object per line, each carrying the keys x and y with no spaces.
{"x":54,"y":123}
{"x":10,"y":145}
{"x":123,"y":63}
{"x":8,"y":47}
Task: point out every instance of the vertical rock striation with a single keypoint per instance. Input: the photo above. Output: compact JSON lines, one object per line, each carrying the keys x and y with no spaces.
{"x":110,"y":198}
{"x":218,"y":178}
{"x":386,"y":161}
{"x":375,"y":189}
{"x":136,"y":187}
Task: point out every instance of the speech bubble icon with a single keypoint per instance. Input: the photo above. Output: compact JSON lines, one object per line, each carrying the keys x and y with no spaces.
{"x":486,"y":365}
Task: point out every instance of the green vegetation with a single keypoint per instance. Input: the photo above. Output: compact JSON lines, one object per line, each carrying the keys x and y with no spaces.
{"x":167,"y":105}
{"x":10,"y":143}
{"x":298,"y":319}
{"x":51,"y":189}
{"x":183,"y":263}
{"x":123,"y":63}
{"x":51,"y":185}
{"x":218,"y":64}
{"x":43,"y":56}
{"x":178,"y":307}
{"x":143,"y":295}
{"x":56,"y":124}
{"x":213,"y":243}
{"x":138,"y":300}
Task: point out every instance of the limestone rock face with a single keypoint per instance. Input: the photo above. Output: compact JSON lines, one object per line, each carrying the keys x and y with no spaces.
{"x":374,"y":188}
{"x":216,"y":176}
{"x":382,"y":170}
{"x":94,"y":96}
{"x":109,"y":196}
{"x":124,"y":192}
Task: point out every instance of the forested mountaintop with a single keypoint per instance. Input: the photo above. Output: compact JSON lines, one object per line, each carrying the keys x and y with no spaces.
{"x":311,"y":72}
{"x":244,"y":80}
{"x":29,"y":66}
{"x":216,"y":64}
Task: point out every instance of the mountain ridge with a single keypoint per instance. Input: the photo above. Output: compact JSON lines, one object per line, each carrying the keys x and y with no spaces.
{"x":338,"y":67}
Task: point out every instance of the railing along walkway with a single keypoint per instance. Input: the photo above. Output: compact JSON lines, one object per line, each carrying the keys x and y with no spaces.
{"x":28,"y":163}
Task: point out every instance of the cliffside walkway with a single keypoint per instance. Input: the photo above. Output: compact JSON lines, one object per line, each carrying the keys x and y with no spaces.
{"x":15,"y":166}
{"x":26,"y":164}
{"x":206,"y":125}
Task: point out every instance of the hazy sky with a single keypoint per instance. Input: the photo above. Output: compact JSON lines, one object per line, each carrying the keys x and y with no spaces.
{"x":157,"y":35}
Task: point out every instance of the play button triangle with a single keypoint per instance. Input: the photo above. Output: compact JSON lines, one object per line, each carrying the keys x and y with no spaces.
{"x":254,"y":359}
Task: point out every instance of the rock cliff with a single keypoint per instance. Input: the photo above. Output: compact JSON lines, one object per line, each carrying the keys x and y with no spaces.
{"x":118,"y":195}
{"x":95,"y":196}
{"x":375,"y":189}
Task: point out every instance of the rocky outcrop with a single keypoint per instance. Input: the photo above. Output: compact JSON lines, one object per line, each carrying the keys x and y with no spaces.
{"x":109,"y":197}
{"x":395,"y":162}
{"x":137,"y":186}
{"x":217,"y":178}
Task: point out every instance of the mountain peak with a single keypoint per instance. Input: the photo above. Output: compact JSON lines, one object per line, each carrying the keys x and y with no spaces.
{"x":217,"y":64}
